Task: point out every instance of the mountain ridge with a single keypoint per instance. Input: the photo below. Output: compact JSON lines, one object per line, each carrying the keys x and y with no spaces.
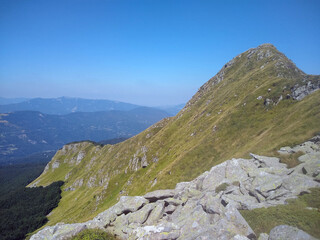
{"x":65,"y":105}
{"x":248,"y":106}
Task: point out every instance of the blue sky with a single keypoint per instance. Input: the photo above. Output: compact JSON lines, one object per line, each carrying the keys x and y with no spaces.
{"x":152,"y":52}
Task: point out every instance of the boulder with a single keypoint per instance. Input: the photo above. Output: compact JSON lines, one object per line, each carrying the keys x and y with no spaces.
{"x":156,"y":213}
{"x":162,"y":231}
{"x":268,"y":161}
{"x":211,"y":204}
{"x":234,"y":171}
{"x":129,"y":204}
{"x":265,"y":182}
{"x":215,"y":177}
{"x":159,"y":195}
{"x":287,"y":232}
{"x":141,"y":216}
{"x":59,"y":231}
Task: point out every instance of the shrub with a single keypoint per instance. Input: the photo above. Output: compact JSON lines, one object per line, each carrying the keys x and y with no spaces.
{"x":93,"y":234}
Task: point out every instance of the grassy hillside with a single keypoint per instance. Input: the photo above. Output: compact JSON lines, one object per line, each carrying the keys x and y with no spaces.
{"x":247,"y":107}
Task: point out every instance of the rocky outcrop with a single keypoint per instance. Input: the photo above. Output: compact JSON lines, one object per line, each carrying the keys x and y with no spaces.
{"x":207,"y":207}
{"x":288,"y":232}
{"x":301,"y":91}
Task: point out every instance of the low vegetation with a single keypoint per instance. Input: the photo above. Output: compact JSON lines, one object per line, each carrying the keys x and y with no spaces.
{"x":93,"y":234}
{"x":290,"y":159}
{"x":221,"y":187}
{"x":302,"y":213}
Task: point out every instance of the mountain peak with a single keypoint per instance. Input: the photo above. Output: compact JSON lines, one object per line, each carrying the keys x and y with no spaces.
{"x":256,"y":63}
{"x":266,"y":45}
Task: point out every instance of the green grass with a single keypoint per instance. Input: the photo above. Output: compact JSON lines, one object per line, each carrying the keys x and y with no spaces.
{"x":93,"y":234}
{"x":290,"y":159}
{"x":227,"y":121}
{"x":221,"y":187}
{"x":294,"y":213}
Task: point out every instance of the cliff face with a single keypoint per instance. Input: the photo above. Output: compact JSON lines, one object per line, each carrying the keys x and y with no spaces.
{"x":258,"y":102}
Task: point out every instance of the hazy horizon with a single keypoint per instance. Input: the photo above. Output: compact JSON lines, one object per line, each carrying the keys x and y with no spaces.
{"x":150,"y":53}
{"x":21,"y":99}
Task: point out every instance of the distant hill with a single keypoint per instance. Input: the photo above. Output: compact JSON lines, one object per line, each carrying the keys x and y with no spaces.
{"x":65,"y":105}
{"x":12,"y":100}
{"x":27,"y":132}
{"x":172,"y":109}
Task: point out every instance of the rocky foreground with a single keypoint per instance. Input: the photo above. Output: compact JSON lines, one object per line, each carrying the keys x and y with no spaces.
{"x":207,"y":207}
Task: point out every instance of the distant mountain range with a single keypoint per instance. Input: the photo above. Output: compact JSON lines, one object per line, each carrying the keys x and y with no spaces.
{"x":11,"y":100}
{"x":65,"y":105}
{"x":27,"y":132}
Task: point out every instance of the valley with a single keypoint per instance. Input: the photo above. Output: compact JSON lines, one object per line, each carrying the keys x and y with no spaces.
{"x":28,"y":132}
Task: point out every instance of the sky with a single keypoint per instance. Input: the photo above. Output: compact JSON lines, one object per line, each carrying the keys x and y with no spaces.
{"x":147,"y":52}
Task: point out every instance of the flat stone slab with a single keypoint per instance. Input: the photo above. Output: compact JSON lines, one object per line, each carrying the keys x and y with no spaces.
{"x":159,"y":195}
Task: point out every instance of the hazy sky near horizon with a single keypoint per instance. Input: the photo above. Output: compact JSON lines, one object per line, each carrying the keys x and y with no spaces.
{"x":151,"y":52}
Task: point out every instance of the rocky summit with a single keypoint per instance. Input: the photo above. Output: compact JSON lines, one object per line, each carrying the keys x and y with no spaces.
{"x":208,"y":207}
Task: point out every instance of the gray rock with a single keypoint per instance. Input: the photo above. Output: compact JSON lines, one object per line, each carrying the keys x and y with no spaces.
{"x":265,"y":182}
{"x":285,"y":150}
{"x":159,"y":195}
{"x":155,"y":232}
{"x":268,"y":161}
{"x":59,"y":231}
{"x":240,"y":237}
{"x":263,"y":236}
{"x":234,"y":216}
{"x":156,"y":214}
{"x":125,"y":205}
{"x":309,"y":157}
{"x":170,"y":209}
{"x":129,"y":204}
{"x":80,"y":156}
{"x":55,"y":164}
{"x":297,"y":183}
{"x":173,"y":201}
{"x":287,"y":232}
{"x":119,"y":224}
{"x":307,"y":147}
{"x":215,"y":177}
{"x":211,"y":204}
{"x":300,"y":92}
{"x":141,"y":215}
{"x":234,"y":172}
{"x":193,"y":223}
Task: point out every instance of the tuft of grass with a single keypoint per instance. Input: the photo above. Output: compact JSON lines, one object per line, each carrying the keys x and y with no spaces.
{"x":236,"y":183}
{"x":290,"y":159}
{"x":93,"y":234}
{"x":222,"y":187}
{"x":295,"y":213}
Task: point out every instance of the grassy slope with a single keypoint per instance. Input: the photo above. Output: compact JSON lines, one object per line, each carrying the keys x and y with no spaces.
{"x":295,"y":213}
{"x":225,"y":120}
